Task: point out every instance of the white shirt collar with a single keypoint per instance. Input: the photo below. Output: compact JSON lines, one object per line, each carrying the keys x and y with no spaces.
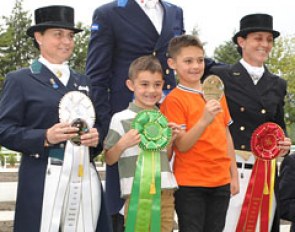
{"x":149,"y":4}
{"x":154,"y":10}
{"x":63,"y":69}
{"x":255,"y":72}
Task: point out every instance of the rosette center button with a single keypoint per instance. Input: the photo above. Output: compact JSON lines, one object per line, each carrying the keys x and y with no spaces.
{"x":152,"y":131}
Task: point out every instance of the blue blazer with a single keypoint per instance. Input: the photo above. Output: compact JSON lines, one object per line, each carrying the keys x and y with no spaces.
{"x":120,"y":33}
{"x":29,"y":106}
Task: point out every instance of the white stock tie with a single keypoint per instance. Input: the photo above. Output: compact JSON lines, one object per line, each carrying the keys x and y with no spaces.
{"x":256,"y":74}
{"x":151,"y":4}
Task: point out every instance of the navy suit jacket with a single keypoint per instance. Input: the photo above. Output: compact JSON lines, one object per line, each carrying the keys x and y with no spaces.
{"x":251,"y":105}
{"x":120,"y":34}
{"x":29,"y":106}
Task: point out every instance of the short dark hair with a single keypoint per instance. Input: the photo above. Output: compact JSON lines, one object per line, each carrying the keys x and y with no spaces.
{"x":179,"y":42}
{"x":239,"y":49}
{"x":144,"y":63}
{"x":36,"y":44}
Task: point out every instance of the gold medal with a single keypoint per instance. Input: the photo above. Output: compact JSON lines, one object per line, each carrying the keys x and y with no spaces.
{"x":213,"y":88}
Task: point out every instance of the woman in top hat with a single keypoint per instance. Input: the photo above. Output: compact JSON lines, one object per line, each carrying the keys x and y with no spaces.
{"x":254,"y":96}
{"x":53,"y":170}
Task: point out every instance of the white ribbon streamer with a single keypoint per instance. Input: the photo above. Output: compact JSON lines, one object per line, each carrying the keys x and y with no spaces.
{"x":71,"y":202}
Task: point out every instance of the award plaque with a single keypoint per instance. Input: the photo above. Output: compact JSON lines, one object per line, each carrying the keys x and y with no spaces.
{"x":213,"y":88}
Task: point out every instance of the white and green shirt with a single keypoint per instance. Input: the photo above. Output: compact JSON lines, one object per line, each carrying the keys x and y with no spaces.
{"x":120,"y":125}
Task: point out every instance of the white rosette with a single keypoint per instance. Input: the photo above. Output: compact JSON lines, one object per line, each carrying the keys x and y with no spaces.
{"x":77,"y":195}
{"x":75,"y":105}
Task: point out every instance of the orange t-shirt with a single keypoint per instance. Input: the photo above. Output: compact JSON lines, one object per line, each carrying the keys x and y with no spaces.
{"x":207,"y":163}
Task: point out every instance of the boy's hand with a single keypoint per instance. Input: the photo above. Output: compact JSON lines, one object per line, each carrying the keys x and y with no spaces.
{"x":212,"y":108}
{"x":175,"y":130}
{"x":131,"y":138}
{"x":234,"y":186}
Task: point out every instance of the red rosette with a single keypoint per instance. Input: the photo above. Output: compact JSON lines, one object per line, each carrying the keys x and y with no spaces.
{"x":264,"y":140}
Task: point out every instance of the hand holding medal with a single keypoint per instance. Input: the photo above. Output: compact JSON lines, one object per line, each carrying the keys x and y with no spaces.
{"x":212,"y":92}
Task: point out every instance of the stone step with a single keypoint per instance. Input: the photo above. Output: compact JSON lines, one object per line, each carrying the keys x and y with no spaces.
{"x":8,"y":191}
{"x":6,"y":226}
{"x":7,"y":206}
{"x":8,"y":175}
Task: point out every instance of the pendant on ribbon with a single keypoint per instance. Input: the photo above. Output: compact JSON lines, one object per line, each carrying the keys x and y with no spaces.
{"x":264,"y":145}
{"x":144,"y":212}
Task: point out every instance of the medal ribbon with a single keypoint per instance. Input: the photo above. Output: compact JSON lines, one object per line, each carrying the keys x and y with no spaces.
{"x":144,"y":212}
{"x":258,"y":198}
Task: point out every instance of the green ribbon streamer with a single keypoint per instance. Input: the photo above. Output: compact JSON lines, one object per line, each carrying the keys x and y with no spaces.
{"x":132,"y":210}
{"x":144,"y":213}
{"x":145,"y":198}
{"x":156,"y":207}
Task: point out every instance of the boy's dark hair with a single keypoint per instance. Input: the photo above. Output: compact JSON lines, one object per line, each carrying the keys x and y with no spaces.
{"x":144,"y":63}
{"x":179,"y":42}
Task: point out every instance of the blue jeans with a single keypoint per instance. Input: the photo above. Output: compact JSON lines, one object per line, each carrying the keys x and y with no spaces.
{"x":202,"y":209}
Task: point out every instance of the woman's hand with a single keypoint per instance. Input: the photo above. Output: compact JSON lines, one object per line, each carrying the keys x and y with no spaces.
{"x":284,"y":146}
{"x":60,"y":132}
{"x":90,"y":138}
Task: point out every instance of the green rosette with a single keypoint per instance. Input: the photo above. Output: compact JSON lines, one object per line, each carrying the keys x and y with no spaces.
{"x":144,"y":213}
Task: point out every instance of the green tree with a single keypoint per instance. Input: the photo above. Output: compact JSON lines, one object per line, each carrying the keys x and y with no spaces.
{"x":195,"y":31}
{"x":16,"y":49}
{"x":78,"y":59}
{"x":227,"y":53}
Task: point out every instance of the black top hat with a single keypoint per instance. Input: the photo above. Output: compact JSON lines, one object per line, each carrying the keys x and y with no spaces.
{"x":254,"y":23}
{"x":53,"y":17}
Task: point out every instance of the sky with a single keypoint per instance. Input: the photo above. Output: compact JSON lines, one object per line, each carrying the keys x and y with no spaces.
{"x":216,"y":20}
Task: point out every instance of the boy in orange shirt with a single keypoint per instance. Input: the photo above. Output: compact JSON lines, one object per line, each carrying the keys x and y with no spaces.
{"x":205,"y":165}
